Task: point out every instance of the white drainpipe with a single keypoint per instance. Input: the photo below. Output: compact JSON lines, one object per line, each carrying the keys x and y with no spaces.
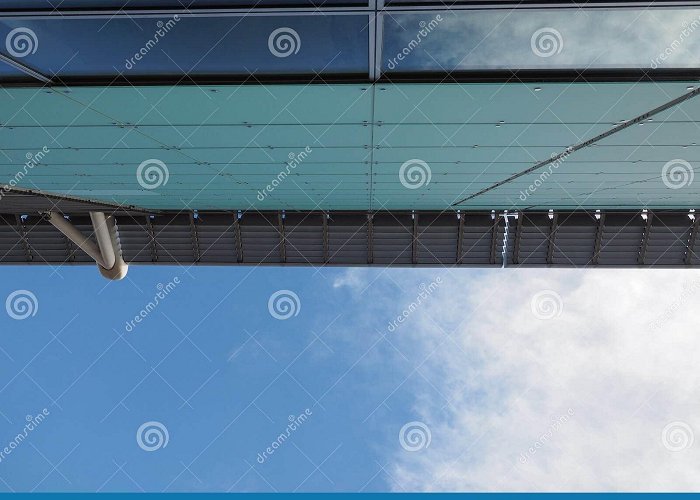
{"x":104,"y":239}
{"x":106,"y":253}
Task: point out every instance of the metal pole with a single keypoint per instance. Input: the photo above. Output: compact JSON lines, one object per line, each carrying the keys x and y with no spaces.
{"x":73,"y":234}
{"x":104,"y":239}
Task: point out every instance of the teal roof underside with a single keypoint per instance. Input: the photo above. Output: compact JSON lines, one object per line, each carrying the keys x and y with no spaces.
{"x":223,"y":145}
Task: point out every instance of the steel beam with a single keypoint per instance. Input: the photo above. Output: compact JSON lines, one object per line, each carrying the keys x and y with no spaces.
{"x":598,"y":239}
{"x":326,"y":243}
{"x":239,"y":237}
{"x":518,"y":235}
{"x":692,"y":238}
{"x":645,"y":239}
{"x":22,"y":231}
{"x":370,"y":239}
{"x":414,"y":242}
{"x":551,"y":237}
{"x":151,"y":233}
{"x":494,"y":239}
{"x":195,"y":237}
{"x":460,"y":239}
{"x":283,"y":238}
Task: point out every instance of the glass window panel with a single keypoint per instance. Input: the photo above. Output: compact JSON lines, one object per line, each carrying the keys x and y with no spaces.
{"x":193,"y":45}
{"x":51,"y":5}
{"x":541,"y":39}
{"x":9,"y":72}
{"x":502,"y":3}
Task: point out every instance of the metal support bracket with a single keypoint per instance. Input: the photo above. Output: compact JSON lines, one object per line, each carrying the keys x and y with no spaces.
{"x":106,"y":252}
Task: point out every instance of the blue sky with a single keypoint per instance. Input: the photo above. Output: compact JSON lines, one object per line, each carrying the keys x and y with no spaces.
{"x":517,"y":379}
{"x":213,"y":366}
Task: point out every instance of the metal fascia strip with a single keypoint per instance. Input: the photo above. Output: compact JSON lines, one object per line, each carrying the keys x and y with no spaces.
{"x":77,"y":199}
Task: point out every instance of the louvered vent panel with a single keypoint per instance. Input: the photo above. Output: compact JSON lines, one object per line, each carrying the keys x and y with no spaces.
{"x":261,"y":238}
{"x":347,"y":239}
{"x":217,"y":238}
{"x":574,"y":240}
{"x":437,"y":238}
{"x":304,"y":237}
{"x":393,"y":239}
{"x":534,"y":240}
{"x":12,"y":249}
{"x":622,"y":239}
{"x":668,"y":240}
{"x":135,"y":239}
{"x":174,"y":241}
{"x":477,"y":238}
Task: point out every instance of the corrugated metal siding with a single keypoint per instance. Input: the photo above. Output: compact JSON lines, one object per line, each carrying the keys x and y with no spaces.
{"x":478,"y":238}
{"x":574,"y":239}
{"x":347,"y":239}
{"x":626,"y":239}
{"x":621,"y":241}
{"x":437,"y":238}
{"x":45,"y":244}
{"x":260,"y":236}
{"x":668,"y":239}
{"x":534,"y":239}
{"x":12,"y":250}
{"x":304,"y":238}
{"x":393,"y":238}
{"x":135,"y":238}
{"x":217,"y":238}
{"x":173,"y":235}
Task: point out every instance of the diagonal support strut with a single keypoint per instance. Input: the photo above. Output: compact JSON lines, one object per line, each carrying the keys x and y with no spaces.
{"x":571,"y":149}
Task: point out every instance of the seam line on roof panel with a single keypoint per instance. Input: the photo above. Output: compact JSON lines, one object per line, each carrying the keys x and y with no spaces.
{"x":78,"y":199}
{"x":136,"y":129}
{"x":371,"y":149}
{"x":581,"y":145}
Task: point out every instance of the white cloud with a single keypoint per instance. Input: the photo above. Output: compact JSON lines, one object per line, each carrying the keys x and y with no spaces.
{"x":499,"y":377}
{"x":354,"y":278}
{"x":586,"y":38}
